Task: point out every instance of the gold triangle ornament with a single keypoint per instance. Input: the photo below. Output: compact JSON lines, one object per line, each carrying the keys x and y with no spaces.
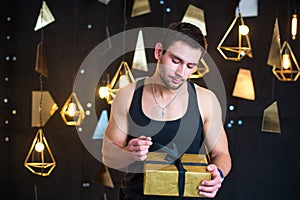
{"x":244,"y":87}
{"x":72,"y":112}
{"x":289,"y":69}
{"x":40,"y":63}
{"x":139,"y":58}
{"x":200,"y":70}
{"x":122,"y":77}
{"x":40,"y":159}
{"x":39,"y":117}
{"x":45,"y":17}
{"x":195,"y":16}
{"x":271,"y":122}
{"x":103,"y":177}
{"x":274,"y":58}
{"x":140,"y":7}
{"x":243,"y":48}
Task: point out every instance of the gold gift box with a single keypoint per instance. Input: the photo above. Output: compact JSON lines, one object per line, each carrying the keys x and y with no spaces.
{"x":161,"y":178}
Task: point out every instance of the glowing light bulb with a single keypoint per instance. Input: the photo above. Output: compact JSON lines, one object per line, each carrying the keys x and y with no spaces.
{"x":294,"y":26}
{"x":243,"y":29}
{"x":39,"y":147}
{"x":123,"y":81}
{"x":71,"y":109}
{"x":286,"y":61}
{"x":103,"y":92}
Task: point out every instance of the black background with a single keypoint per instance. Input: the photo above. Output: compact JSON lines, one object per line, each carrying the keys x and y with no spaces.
{"x":265,"y":165}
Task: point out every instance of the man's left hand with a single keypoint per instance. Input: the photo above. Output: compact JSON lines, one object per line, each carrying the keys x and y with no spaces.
{"x":209,"y":188}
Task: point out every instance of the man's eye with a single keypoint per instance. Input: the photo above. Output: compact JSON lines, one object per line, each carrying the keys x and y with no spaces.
{"x":175,"y":60}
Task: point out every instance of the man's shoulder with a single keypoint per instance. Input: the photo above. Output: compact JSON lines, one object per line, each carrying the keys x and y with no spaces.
{"x":127,"y":89}
{"x":202,"y":90}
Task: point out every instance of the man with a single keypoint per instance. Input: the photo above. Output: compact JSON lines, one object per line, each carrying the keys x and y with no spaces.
{"x":167,"y":109}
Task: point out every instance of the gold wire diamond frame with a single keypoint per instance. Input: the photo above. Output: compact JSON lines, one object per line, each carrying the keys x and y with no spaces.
{"x":244,"y":45}
{"x":290,"y":74}
{"x":77,"y":116}
{"x":114,"y":86}
{"x":200,"y":70}
{"x":40,"y":163}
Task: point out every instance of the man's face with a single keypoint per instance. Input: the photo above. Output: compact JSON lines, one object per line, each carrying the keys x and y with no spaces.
{"x":177,"y":64}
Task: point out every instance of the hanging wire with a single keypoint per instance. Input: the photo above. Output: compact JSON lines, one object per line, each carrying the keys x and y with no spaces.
{"x":288,"y":20}
{"x":41,"y":76}
{"x":74,"y":42}
{"x":124,"y":26}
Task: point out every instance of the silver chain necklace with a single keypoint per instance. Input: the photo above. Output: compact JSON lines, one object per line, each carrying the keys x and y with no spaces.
{"x":163,"y":112}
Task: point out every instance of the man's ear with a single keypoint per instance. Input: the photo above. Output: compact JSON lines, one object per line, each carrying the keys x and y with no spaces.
{"x":158,"y":51}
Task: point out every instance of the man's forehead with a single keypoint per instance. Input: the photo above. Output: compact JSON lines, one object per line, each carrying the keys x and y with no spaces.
{"x":185,"y":52}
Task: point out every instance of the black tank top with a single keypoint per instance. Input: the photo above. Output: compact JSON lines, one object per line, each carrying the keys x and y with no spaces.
{"x":185,"y":133}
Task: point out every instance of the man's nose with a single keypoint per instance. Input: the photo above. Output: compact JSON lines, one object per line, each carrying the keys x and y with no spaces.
{"x":180,"y":70}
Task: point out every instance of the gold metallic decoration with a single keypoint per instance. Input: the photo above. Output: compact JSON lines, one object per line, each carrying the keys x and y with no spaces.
{"x":140,"y":7}
{"x":244,"y":85}
{"x":274,"y":58}
{"x":289,"y":69}
{"x":139,"y":58}
{"x":122,"y":77}
{"x":200,"y":70}
{"x":39,"y":159}
{"x":45,"y":17}
{"x":236,"y":53}
{"x":271,"y":122}
{"x":294,"y":25}
{"x":49,"y":108}
{"x":72,"y":112}
{"x":103,"y":177}
{"x":195,"y":16}
{"x":40,"y":63}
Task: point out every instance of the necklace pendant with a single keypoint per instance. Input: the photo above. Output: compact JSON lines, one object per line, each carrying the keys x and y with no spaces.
{"x":163,"y":112}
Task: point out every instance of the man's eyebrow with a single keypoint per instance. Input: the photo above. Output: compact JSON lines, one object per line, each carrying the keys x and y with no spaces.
{"x":181,"y":59}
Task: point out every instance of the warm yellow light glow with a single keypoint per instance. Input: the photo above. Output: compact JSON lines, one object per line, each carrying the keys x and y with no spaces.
{"x":123,"y":81}
{"x":103,"y":92}
{"x":243,"y":29}
{"x":71,"y":109}
{"x":294,"y":26}
{"x":39,"y":147}
{"x":286,"y":61}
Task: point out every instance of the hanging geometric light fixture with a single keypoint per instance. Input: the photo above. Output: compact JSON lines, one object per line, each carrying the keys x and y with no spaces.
{"x":289,"y":69}
{"x":39,"y":159}
{"x":294,"y":24}
{"x":282,"y":58}
{"x":72,"y":112}
{"x":122,"y":77}
{"x":200,"y":70}
{"x":236,"y":53}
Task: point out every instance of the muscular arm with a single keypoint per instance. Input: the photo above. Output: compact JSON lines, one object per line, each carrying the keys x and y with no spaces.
{"x":216,"y":141}
{"x":116,"y":153}
{"x":215,"y":136}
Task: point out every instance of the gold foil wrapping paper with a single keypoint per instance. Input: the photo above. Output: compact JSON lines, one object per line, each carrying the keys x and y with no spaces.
{"x":162,"y":179}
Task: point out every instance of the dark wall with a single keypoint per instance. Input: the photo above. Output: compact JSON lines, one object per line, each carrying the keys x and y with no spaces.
{"x":265,"y":165}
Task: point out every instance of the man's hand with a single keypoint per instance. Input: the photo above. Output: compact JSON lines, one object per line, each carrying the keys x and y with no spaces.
{"x":139,"y":147}
{"x":209,"y":188}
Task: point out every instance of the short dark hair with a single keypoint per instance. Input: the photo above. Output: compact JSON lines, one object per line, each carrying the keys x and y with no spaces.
{"x":185,"y":32}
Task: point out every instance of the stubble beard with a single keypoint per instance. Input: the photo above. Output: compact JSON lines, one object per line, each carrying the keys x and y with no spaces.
{"x":169,"y":84}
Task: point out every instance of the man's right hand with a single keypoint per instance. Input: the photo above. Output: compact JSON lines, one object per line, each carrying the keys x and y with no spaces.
{"x":139,"y":147}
